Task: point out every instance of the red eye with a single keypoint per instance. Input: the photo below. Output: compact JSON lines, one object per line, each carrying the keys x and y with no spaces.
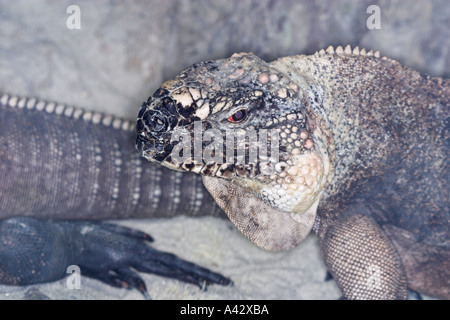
{"x":238,"y":116}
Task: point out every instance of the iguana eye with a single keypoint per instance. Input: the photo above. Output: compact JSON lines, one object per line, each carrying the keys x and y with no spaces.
{"x":238,"y":116}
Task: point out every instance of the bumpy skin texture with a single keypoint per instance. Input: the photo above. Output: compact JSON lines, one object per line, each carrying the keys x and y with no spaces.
{"x":363,"y":148}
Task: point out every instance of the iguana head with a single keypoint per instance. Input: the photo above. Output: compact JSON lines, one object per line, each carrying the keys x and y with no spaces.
{"x":241,"y":120}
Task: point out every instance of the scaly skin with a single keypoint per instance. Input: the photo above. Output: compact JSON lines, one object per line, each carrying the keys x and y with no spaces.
{"x":361,"y":160}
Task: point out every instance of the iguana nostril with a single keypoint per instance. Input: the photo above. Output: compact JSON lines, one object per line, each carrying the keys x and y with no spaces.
{"x":156,"y":121}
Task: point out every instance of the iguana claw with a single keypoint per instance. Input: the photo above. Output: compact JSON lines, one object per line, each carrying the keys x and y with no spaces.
{"x":106,"y":252}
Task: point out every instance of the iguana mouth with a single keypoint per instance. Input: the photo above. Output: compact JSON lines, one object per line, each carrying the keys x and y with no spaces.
{"x":188,"y":144}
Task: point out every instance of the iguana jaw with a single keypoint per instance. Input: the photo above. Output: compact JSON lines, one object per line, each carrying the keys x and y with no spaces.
{"x":292,"y":184}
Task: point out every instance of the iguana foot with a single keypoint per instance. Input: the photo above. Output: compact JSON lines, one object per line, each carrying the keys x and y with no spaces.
{"x":34,"y":251}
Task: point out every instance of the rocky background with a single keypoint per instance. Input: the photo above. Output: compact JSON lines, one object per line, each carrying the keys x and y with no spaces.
{"x":125,"y":49}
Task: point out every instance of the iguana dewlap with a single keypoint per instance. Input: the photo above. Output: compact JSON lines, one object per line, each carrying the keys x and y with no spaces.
{"x":353,"y":146}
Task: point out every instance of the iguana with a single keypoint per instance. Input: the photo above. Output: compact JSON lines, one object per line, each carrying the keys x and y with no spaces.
{"x":348,"y":144}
